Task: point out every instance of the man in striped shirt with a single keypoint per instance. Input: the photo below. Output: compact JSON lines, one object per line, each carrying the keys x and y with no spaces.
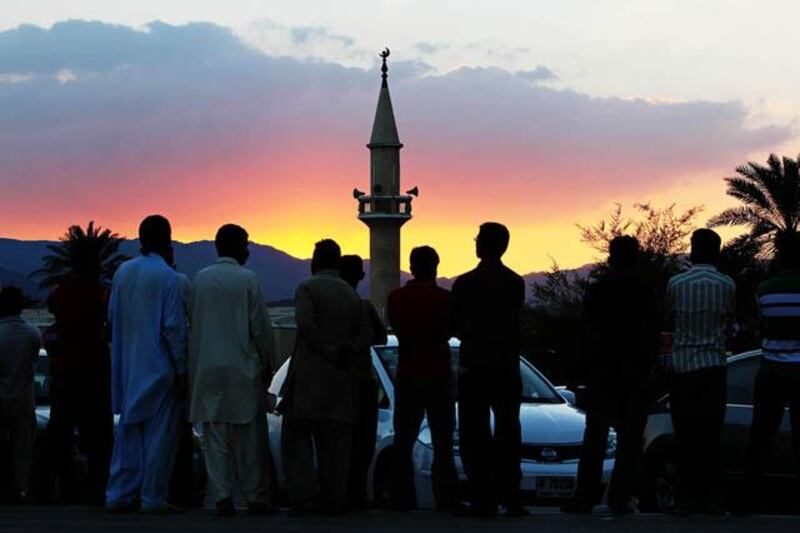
{"x":778,"y":380}
{"x":700,"y":305}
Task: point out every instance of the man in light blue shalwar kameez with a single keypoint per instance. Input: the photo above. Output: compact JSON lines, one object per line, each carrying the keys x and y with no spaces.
{"x":148,"y":373}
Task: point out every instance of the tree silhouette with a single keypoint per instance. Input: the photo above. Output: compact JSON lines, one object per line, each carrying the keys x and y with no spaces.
{"x":771,"y":201}
{"x":94,"y":246}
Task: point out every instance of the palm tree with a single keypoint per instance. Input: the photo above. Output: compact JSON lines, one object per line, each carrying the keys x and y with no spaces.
{"x":771,"y":200}
{"x":94,"y":246}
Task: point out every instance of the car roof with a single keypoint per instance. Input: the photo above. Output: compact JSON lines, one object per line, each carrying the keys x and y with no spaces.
{"x":744,"y":355}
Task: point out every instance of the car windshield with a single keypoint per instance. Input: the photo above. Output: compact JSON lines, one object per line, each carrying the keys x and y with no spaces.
{"x":534,"y":388}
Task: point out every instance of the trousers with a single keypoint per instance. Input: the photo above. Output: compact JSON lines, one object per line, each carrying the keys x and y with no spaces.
{"x":491,"y":459}
{"x":87,"y":407}
{"x":624,"y":406}
{"x":324,"y":480}
{"x":20,"y":428}
{"x":143,"y":457}
{"x":364,"y":432}
{"x":416,"y":398}
{"x":697,"y":400}
{"x":777,"y":386}
{"x":238,"y":451}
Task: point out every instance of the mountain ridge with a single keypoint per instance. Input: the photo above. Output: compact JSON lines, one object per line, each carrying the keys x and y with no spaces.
{"x":279,"y":271}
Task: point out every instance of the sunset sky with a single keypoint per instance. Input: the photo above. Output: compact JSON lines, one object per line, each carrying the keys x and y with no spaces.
{"x":540,"y":115}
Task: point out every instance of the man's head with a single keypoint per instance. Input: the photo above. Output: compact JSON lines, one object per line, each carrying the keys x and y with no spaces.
{"x":706,"y":246}
{"x":424,"y":263}
{"x":85,"y":259}
{"x":155,"y":235}
{"x":326,"y":256}
{"x":11,"y":301}
{"x":788,"y":247}
{"x":351,"y":268}
{"x":623,"y":252}
{"x":492,"y":241}
{"x":232,"y":241}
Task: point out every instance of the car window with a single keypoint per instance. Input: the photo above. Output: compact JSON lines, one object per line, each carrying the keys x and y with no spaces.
{"x":741,"y":378}
{"x":534,"y":388}
{"x":41,"y":380}
{"x":279,"y":378}
{"x":383,"y":398}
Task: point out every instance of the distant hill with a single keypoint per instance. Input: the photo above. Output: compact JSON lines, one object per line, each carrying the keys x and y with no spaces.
{"x":279,"y":272}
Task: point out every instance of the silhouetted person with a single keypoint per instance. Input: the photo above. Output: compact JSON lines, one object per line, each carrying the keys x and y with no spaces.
{"x":365,"y":426}
{"x":777,"y":382}
{"x":487,"y":302}
{"x":182,"y":483}
{"x":420,"y":316}
{"x":19,"y":348}
{"x":231,"y":356}
{"x":148,"y":372}
{"x":621,"y":322}
{"x":80,"y":390}
{"x":700,"y":304}
{"x":318,"y":393}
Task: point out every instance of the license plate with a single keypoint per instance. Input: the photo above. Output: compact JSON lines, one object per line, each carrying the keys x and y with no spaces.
{"x":555,"y":487}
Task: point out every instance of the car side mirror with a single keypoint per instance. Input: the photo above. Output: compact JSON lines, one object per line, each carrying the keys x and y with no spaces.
{"x":567,"y":394}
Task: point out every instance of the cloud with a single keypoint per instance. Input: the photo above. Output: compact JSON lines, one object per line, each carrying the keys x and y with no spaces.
{"x":113,"y":119}
{"x":538,"y":74}
{"x":431,"y":48}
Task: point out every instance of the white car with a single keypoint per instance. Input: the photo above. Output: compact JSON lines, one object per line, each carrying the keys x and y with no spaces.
{"x":552,"y":432}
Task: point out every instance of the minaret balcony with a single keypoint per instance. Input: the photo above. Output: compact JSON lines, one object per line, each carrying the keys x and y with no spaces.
{"x":384,"y":206}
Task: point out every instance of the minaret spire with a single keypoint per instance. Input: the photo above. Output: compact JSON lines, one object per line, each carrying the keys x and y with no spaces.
{"x":384,"y":209}
{"x":384,"y":69}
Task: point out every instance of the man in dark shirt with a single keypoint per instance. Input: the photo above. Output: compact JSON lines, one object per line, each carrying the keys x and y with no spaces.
{"x":621,"y":324}
{"x":365,"y":424}
{"x":419,"y":314}
{"x":81,"y":371}
{"x":486,"y":305}
{"x":777,"y":383}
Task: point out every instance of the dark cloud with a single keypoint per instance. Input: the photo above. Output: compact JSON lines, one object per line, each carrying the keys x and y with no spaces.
{"x":431,"y":48}
{"x":540,"y":73}
{"x":304,"y":35}
{"x":177,"y":95}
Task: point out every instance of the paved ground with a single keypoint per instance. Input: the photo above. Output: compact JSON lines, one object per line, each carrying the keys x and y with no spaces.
{"x":77,"y":519}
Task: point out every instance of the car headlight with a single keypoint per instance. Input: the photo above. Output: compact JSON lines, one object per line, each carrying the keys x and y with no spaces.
{"x":611,"y":445}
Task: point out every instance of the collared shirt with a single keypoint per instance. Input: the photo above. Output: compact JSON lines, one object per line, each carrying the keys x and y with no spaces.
{"x":19,"y":347}
{"x":149,"y":336}
{"x":231,"y":345}
{"x":779,"y":304}
{"x":487,"y":303}
{"x":419,"y":314}
{"x":700,"y":303}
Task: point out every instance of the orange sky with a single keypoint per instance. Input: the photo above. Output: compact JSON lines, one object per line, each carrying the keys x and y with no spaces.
{"x":110,"y":124}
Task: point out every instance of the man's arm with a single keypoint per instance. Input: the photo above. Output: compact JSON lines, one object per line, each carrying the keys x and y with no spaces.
{"x":173,"y":324}
{"x":668,"y":319}
{"x":261,"y":326}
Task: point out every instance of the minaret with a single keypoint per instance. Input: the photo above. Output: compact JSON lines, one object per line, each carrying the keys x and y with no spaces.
{"x":384,"y":209}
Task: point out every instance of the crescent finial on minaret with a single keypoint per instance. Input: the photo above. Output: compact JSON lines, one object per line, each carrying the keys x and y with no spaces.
{"x":384,"y":69}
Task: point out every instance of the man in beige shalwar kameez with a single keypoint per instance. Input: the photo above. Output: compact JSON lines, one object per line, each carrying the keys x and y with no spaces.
{"x":231,"y":354}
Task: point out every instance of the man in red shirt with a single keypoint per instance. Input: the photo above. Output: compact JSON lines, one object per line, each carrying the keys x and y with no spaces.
{"x":419,"y":314}
{"x":81,"y":371}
